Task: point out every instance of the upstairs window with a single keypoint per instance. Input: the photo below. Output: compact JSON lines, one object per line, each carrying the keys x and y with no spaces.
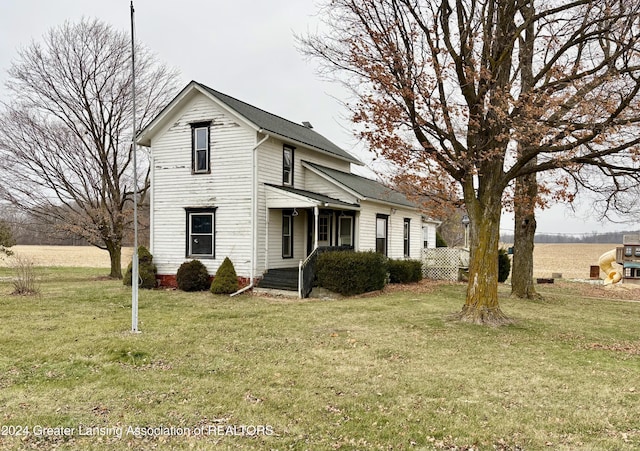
{"x":287,"y":166}
{"x":201,"y":154}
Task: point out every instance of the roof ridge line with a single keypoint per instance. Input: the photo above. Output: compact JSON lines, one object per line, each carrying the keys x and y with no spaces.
{"x":257,"y":108}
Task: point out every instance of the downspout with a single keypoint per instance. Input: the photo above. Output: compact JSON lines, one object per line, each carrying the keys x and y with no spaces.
{"x":254,"y":212}
{"x":316,"y":214}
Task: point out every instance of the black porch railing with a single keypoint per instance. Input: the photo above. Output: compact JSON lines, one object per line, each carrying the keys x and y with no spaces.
{"x":307,"y":268}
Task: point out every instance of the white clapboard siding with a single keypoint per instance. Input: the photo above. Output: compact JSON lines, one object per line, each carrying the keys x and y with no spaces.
{"x":317,"y":184}
{"x":429,"y":234}
{"x":395,"y":231}
{"x":227,"y":188}
{"x":270,"y":162}
{"x":275,"y":259}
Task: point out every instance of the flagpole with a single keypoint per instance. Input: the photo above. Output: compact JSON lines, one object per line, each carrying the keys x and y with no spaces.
{"x":134,"y":259}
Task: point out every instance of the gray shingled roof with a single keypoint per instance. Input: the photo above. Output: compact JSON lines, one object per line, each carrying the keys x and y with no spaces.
{"x":311,"y":195}
{"x":280,"y":126}
{"x":367,"y":188}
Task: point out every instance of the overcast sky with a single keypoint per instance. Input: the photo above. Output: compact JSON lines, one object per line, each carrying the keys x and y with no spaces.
{"x":243,"y":48}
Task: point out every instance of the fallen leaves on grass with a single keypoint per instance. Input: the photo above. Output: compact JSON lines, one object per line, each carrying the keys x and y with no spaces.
{"x":627,"y":348}
{"x":618,"y":291}
{"x":422,"y":287}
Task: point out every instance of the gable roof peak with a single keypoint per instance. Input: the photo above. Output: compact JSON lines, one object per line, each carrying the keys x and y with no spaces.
{"x":276,"y":125}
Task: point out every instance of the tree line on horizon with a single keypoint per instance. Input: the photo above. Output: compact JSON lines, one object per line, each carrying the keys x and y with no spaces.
{"x":590,"y":238}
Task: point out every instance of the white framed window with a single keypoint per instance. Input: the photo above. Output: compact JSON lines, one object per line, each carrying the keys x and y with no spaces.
{"x":201,"y":154}
{"x":287,"y":235}
{"x":407,"y":237}
{"x":381,"y":233}
{"x":201,"y":226}
{"x":345,"y":231}
{"x":323,"y":228}
{"x":287,"y":165}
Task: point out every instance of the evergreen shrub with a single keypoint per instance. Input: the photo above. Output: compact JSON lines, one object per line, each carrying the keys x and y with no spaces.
{"x":226,"y":279}
{"x":193,"y":276}
{"x":504,"y":265}
{"x":350,"y":273}
{"x":146,"y":270}
{"x":404,"y":271}
{"x":440,"y":241}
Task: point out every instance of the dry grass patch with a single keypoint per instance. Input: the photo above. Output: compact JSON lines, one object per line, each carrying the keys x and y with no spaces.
{"x":71,"y":256}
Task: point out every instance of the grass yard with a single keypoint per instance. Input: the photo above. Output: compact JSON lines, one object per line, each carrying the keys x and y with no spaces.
{"x":380,"y":372}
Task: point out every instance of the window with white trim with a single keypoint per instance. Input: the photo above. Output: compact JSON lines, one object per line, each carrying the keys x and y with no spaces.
{"x":425,"y":237}
{"x":345,"y":232}
{"x":382,"y":222}
{"x":407,"y":237}
{"x":287,"y":235}
{"x":287,"y":165}
{"x":200,"y":148}
{"x":201,"y":237}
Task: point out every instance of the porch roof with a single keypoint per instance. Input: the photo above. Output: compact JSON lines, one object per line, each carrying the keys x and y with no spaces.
{"x":364,"y":188}
{"x":287,"y":197}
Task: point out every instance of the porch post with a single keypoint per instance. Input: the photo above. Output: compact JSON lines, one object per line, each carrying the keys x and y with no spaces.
{"x":316,"y":218}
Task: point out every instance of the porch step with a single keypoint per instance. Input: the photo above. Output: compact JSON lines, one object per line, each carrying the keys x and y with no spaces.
{"x":280,"y":279}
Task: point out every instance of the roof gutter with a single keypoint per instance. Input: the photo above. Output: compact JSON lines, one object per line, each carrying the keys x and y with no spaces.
{"x":254,"y":212}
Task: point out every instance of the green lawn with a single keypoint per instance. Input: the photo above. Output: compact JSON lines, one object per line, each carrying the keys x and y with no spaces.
{"x":378,"y":372}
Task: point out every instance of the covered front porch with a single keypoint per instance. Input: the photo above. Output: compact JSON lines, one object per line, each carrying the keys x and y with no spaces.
{"x":299,"y":222}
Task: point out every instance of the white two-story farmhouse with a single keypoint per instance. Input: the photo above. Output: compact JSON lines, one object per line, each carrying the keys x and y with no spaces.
{"x":231,"y":180}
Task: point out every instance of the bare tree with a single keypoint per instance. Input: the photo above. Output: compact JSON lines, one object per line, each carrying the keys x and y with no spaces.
{"x":440,"y":87}
{"x":65,"y":135}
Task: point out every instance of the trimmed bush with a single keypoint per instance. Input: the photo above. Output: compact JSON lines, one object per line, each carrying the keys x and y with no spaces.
{"x":440,"y":241}
{"x":146,"y":270}
{"x":226,"y":279}
{"x":350,"y":273}
{"x":404,"y":271}
{"x":193,"y":276}
{"x":504,"y":265}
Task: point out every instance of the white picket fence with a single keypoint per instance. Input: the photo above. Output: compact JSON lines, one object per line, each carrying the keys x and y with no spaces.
{"x":444,"y":263}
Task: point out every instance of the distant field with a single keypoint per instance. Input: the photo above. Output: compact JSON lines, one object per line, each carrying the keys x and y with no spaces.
{"x":571,"y":260}
{"x":79,"y":256}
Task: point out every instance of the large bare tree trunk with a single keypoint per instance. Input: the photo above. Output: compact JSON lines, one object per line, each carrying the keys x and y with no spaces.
{"x":115,"y":255}
{"x":526,"y":190}
{"x":523,"y":242}
{"x":481,"y":305}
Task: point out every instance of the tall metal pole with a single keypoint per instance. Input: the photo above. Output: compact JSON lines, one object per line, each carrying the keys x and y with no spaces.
{"x":134,"y":148}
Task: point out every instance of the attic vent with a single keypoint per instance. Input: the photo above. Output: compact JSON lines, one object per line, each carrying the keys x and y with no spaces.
{"x":307,"y":124}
